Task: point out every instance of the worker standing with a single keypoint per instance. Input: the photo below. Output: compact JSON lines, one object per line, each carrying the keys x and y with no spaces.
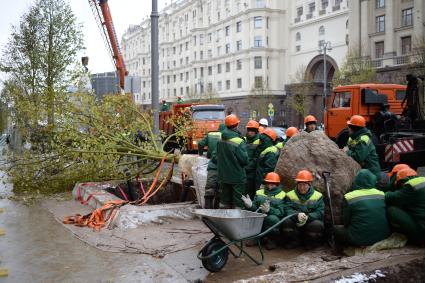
{"x":211,"y":187}
{"x":360,"y":146}
{"x":252,"y":142}
{"x":164,"y":106}
{"x":310,"y":123}
{"x":263,"y":123}
{"x":231,"y":159}
{"x":267,"y":157}
{"x":290,"y":132}
{"x":392,"y":184}
{"x":364,"y":213}
{"x":306,"y":225}
{"x":406,"y":206}
{"x":270,"y":201}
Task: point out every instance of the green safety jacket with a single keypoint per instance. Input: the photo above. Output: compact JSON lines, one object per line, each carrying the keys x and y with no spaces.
{"x":410,"y":198}
{"x":251,"y":147}
{"x":362,"y":150}
{"x":275,"y":197}
{"x":392,"y":186}
{"x":231,"y":158}
{"x":210,"y":140}
{"x":364,"y":211}
{"x":311,"y":204}
{"x":280,"y":145}
{"x":266,"y":161}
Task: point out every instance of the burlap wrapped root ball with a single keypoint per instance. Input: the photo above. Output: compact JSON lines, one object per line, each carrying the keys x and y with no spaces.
{"x":316,"y":152}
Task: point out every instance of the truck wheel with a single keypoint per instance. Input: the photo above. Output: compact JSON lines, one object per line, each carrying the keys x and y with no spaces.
{"x":342,"y":138}
{"x":217,"y":262}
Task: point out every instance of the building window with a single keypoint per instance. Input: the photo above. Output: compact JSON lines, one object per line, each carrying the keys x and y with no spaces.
{"x":298,"y":48}
{"x":201,"y":39}
{"x":187,"y":45}
{"x":219,"y":85}
{"x":379,"y":49}
{"x":174,"y":50}
{"x":227,"y":48}
{"x":174,"y":78}
{"x":239,"y":26}
{"x":406,"y":45}
{"x":258,"y":22}
{"x":258,"y":41}
{"x":227,"y":67}
{"x":239,"y":45}
{"x":407,"y":17}
{"x":175,"y":92}
{"x":239,"y":64}
{"x":218,"y":68}
{"x":380,"y":4}
{"x":321,"y":30}
{"x":258,"y":62}
{"x":258,"y":82}
{"x":187,"y":90}
{"x":239,"y":82}
{"x":325,"y":4}
{"x":227,"y":84}
{"x":209,"y":87}
{"x":380,"y":23}
{"x":218,"y":50}
{"x":210,"y":71}
{"x":227,"y":30}
{"x":202,"y":72}
{"x":187,"y":76}
{"x":181,"y":77}
{"x":299,"y":11}
{"x":194,"y":40}
{"x":298,"y":36}
{"x":209,"y":37}
{"x":181,"y":91}
{"x":311,"y":7}
{"x":259,"y":4}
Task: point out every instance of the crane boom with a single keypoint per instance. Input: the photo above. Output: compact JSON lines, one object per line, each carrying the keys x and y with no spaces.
{"x":104,"y":19}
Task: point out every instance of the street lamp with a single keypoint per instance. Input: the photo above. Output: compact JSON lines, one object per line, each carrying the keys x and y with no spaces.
{"x":323,"y":49}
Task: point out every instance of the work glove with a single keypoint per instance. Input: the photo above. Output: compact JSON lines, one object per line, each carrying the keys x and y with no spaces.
{"x":247,"y":201}
{"x":265,"y":207}
{"x":302,"y":219}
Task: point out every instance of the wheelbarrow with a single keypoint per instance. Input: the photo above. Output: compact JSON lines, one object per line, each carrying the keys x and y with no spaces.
{"x":231,"y":227}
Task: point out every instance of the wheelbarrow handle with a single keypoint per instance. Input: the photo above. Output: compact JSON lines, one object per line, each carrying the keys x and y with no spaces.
{"x":271,"y":228}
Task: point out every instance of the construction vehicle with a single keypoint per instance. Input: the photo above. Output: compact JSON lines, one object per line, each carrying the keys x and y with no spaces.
{"x":102,"y":14}
{"x":204,"y":118}
{"x":398,"y":139}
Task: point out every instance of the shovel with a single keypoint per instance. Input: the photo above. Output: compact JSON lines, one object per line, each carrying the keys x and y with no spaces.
{"x":326,"y":177}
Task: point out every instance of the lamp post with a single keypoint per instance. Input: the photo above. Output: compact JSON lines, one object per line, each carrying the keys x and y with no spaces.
{"x":155,"y":67}
{"x":323,"y":49}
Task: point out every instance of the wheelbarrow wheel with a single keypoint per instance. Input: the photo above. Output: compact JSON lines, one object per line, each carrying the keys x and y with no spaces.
{"x":217,"y":262}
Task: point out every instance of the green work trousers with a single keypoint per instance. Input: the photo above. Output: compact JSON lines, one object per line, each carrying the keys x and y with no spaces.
{"x":211,"y":186}
{"x":402,"y":222}
{"x":250,"y":188}
{"x":231,"y":194}
{"x":310,"y":233}
{"x":269,"y":221}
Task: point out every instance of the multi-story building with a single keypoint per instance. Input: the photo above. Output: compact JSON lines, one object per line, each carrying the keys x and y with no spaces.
{"x":387,"y":31}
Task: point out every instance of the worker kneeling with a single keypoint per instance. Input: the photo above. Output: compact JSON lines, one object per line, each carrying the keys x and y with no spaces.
{"x":306,"y":226}
{"x":365,"y":222}
{"x":270,"y":200}
{"x":406,"y":206}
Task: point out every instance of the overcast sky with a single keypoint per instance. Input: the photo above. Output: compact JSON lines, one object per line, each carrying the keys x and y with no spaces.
{"x":124,"y":13}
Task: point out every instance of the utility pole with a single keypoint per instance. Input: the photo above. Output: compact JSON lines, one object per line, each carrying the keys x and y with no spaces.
{"x":155,"y":66}
{"x":323,"y":49}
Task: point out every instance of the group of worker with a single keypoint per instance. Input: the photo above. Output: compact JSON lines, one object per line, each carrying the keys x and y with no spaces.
{"x":241,"y":175}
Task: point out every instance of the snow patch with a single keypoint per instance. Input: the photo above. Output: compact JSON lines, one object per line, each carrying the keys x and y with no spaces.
{"x":361,"y":277}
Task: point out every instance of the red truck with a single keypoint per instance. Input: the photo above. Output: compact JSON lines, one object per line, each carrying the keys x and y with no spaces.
{"x":204,"y":118}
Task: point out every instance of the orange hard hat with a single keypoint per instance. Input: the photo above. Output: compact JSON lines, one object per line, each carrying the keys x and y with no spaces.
{"x":309,"y":119}
{"x":252,"y":124}
{"x":261,"y":129}
{"x":291,"y":131}
{"x":398,"y":168}
{"x":304,"y":176}
{"x":231,"y":120}
{"x":272,"y":177}
{"x":404,"y":173}
{"x":270,"y":133}
{"x":357,"y":120}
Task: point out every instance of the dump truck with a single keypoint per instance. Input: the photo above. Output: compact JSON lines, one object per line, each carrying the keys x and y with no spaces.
{"x":204,"y":118}
{"x":398,"y":139}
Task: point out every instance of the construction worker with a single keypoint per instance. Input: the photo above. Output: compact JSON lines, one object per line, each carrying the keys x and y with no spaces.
{"x":252,"y":142}
{"x":211,"y":187}
{"x":310,"y":123}
{"x":392,"y":184}
{"x":280,"y":143}
{"x":231,"y":159}
{"x":164,"y":106}
{"x":406,"y":206}
{"x":179,"y":100}
{"x":360,"y":146}
{"x":270,"y":201}
{"x":263,"y":123}
{"x":267,"y":157}
{"x":290,"y":132}
{"x":306,"y":225}
{"x":364,"y":213}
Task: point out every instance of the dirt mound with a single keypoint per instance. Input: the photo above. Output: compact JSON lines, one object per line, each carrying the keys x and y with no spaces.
{"x":316,"y":152}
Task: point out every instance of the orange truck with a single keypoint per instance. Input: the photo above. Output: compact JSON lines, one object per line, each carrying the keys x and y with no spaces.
{"x":205,"y":118}
{"x":396,"y":144}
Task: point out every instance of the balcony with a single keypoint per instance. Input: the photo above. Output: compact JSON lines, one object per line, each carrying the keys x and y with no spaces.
{"x":336,"y":8}
{"x":309,"y":16}
{"x":377,"y":63}
{"x":402,"y":60}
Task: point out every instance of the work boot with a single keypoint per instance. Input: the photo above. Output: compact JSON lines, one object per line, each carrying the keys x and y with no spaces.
{"x":269,"y":244}
{"x":208,"y":202}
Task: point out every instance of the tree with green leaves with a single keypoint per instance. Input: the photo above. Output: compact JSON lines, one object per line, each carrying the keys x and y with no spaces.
{"x":355,"y":70}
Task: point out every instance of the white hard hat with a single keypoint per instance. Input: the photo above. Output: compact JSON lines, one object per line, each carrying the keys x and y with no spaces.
{"x":263,"y":121}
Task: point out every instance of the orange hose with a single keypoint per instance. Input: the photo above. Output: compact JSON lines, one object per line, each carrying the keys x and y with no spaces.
{"x":155,"y":180}
{"x":162,"y":183}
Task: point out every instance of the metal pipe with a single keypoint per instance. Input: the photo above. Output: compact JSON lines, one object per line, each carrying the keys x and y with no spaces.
{"x":155,"y":66}
{"x":325,"y":77}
